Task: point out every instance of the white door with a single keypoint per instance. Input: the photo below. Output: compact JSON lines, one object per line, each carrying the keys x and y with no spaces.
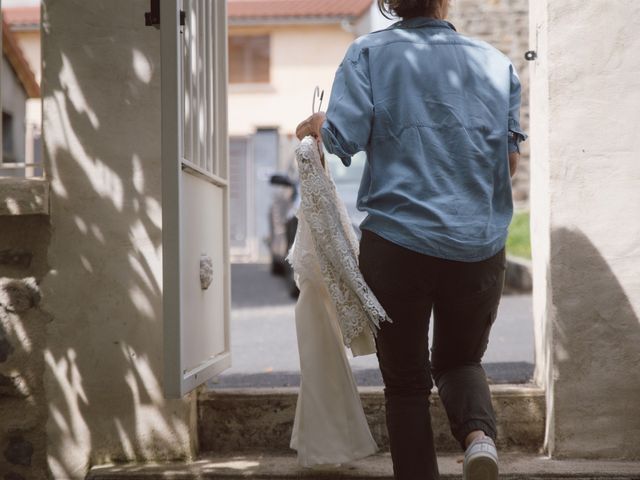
{"x":195,"y":193}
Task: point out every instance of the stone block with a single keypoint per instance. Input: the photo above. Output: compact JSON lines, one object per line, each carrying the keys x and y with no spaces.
{"x":6,"y":348}
{"x":518,"y":276}
{"x":30,"y":418}
{"x":18,"y":295}
{"x":24,"y":196}
{"x":13,"y":476}
{"x":18,"y":451}
{"x":23,"y":245}
{"x":13,"y":386}
{"x":16,"y":257}
{"x":262,"y":419}
{"x":23,"y":409}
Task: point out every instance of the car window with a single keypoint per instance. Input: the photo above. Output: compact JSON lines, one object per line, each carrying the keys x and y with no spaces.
{"x":350,"y":174}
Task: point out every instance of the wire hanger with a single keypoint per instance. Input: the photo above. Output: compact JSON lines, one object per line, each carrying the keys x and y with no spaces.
{"x":317,"y":94}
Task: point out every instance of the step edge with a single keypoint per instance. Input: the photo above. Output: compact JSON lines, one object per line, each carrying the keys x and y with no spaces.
{"x":512,"y":465}
{"x":505,"y":390}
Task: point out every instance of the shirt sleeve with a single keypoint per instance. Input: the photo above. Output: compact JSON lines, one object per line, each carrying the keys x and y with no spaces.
{"x":347,"y":127}
{"x":517,"y":135}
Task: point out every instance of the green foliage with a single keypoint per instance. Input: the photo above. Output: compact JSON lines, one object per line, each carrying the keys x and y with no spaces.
{"x":519,"y":240}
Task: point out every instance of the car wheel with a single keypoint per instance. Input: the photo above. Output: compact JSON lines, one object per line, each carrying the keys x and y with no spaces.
{"x":277,"y":268}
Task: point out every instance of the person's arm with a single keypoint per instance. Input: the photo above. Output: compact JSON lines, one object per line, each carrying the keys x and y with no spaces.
{"x":347,"y":126}
{"x":514,"y":158}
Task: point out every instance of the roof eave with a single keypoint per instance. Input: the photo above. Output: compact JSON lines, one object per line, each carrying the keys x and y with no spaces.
{"x":15,"y":57}
{"x":277,"y":21}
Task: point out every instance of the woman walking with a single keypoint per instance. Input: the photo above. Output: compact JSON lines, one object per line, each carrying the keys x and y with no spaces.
{"x":438,"y":116}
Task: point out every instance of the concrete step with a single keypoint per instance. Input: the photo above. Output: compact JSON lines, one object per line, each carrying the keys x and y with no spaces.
{"x":513,"y":466}
{"x":245,"y":420}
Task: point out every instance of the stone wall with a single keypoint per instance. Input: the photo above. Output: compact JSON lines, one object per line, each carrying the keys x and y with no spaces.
{"x":23,"y":326}
{"x":505,"y":25}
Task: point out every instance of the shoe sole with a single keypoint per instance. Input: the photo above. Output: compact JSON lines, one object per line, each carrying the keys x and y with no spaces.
{"x":481,"y":467}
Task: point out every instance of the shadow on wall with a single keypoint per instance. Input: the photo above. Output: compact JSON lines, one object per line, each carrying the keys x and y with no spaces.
{"x":101,"y":109}
{"x":22,"y":339}
{"x":596,"y":351}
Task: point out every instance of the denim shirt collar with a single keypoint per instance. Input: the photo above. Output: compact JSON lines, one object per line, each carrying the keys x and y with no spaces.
{"x":417,"y":22}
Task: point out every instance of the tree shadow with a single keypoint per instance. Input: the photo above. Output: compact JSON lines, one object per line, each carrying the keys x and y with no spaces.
{"x":104,"y":362}
{"x":596,"y":350}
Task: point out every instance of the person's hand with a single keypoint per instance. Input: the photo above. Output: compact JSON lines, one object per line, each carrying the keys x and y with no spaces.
{"x":514,"y":158}
{"x":311,"y":126}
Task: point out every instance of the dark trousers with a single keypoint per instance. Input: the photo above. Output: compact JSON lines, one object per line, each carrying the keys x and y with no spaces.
{"x":464,"y":297}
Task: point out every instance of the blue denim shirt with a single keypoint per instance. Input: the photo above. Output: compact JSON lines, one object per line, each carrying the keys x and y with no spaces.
{"x":433,"y":110}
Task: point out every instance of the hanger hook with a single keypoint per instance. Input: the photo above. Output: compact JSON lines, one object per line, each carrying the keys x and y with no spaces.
{"x":317,"y":94}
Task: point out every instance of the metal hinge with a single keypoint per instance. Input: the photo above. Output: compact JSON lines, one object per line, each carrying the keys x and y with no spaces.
{"x":152,"y":18}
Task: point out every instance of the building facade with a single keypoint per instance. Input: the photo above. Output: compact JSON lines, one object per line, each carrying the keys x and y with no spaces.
{"x":21,"y":48}
{"x":278,"y":55}
{"x":19,"y":87}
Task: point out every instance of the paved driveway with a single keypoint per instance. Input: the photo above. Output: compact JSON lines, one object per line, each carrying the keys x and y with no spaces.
{"x":264,"y":345}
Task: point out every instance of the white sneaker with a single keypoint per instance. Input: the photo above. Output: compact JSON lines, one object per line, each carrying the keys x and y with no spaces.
{"x":480,"y":460}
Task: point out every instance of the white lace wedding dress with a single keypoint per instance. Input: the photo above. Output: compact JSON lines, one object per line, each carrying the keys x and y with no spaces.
{"x":335,"y":309}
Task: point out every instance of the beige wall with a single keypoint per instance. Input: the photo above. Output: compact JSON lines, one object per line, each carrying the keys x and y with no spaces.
{"x":585,"y":117}
{"x":301,"y":58}
{"x":29,"y":41}
{"x":305,"y":56}
{"x":103,"y":378}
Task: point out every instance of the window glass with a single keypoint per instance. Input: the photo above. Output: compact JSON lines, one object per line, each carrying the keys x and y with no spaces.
{"x":7,"y":137}
{"x":249,"y":59}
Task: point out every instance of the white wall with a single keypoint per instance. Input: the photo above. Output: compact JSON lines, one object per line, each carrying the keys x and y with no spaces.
{"x":372,"y":21}
{"x":586,"y":226}
{"x":101,"y":107}
{"x":540,"y":213}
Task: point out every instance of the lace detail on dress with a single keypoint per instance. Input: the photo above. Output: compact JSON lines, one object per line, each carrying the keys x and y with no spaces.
{"x":326,"y":247}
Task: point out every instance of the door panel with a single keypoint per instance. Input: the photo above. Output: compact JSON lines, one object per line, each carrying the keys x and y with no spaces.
{"x":203,"y":309}
{"x":195,"y":193}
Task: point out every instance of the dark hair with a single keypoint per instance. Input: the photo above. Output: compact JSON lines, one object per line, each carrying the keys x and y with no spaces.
{"x":408,"y":8}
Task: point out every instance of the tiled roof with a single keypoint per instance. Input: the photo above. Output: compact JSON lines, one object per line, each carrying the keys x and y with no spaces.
{"x":14,"y":55}
{"x":20,"y":17}
{"x":239,"y":10}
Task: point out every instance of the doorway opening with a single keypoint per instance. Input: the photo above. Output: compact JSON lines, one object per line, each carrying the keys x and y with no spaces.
{"x":268,"y":96}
